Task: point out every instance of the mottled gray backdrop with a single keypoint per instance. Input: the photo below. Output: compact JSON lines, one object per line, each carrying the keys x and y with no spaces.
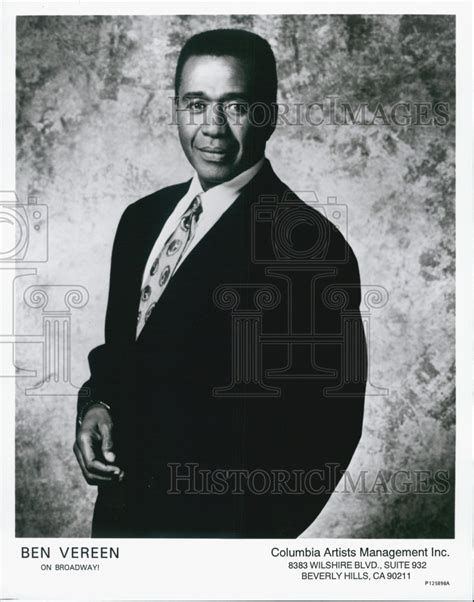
{"x":94,"y":134}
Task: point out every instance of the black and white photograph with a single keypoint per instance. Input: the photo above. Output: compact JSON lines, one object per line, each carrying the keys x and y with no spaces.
{"x":230,"y":246}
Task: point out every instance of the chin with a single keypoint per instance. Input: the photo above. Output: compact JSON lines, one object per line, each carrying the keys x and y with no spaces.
{"x":215,"y":175}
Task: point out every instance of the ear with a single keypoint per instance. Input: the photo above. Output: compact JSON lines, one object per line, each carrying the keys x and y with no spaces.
{"x":264,"y":116}
{"x":174,"y":110}
{"x":273,"y":120}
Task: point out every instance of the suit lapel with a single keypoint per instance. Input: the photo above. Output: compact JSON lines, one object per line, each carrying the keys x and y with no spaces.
{"x":154,"y":221}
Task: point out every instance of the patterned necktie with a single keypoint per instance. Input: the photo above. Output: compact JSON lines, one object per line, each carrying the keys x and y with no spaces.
{"x":165,"y":264}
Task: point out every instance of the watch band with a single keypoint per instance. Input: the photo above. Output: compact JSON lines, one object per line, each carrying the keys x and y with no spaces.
{"x":88,"y":405}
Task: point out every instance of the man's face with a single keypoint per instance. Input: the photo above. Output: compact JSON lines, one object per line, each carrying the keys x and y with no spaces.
{"x":214,"y":124}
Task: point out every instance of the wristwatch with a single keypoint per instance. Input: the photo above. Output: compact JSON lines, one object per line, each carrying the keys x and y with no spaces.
{"x":88,"y":405}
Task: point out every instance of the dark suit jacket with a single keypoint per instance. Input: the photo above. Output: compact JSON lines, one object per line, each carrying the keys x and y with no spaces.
{"x":253,"y":359}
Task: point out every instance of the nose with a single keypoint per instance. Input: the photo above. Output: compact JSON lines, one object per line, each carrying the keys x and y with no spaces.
{"x":215,"y":123}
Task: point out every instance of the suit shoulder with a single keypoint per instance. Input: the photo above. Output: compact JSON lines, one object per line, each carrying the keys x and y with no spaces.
{"x":330,"y":219}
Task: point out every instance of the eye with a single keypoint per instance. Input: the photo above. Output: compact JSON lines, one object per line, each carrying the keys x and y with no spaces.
{"x":236,"y":108}
{"x":196,"y":106}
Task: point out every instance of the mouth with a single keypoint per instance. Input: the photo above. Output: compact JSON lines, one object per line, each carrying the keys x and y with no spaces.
{"x":215,"y":154}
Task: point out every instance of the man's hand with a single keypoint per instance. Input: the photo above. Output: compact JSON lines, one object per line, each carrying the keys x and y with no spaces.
{"x":94,"y":447}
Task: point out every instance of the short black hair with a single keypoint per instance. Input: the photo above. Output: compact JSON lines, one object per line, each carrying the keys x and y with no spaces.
{"x":241,"y":44}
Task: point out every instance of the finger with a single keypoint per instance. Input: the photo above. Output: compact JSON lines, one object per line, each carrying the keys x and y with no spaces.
{"x":105,"y":430}
{"x":99,"y":468}
{"x":92,"y":479}
{"x":86,"y":444}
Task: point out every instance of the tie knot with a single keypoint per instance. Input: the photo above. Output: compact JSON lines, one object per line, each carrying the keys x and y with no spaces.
{"x":192,"y":213}
{"x":196,"y":206}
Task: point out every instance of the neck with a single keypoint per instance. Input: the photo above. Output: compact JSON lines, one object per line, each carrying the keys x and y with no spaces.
{"x":206,"y":184}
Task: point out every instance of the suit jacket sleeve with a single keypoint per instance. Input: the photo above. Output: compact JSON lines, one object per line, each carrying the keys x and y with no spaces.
{"x":107,"y":361}
{"x":312,"y":431}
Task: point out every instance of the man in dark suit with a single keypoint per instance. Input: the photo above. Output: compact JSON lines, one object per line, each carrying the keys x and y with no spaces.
{"x":227,"y":399}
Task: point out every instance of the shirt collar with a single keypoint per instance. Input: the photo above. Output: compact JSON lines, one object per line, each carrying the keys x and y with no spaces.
{"x":228,"y":189}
